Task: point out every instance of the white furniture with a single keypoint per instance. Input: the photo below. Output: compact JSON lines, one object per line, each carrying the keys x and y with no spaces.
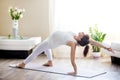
{"x":17,"y":47}
{"x":115,"y":45}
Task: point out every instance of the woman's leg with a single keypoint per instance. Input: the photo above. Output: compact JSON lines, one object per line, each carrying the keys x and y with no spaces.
{"x":37,"y":51}
{"x":48,"y":53}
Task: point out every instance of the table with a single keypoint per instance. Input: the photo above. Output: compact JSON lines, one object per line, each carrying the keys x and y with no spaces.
{"x":17,"y":48}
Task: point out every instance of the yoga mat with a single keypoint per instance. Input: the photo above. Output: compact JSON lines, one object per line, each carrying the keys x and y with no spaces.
{"x":62,"y":70}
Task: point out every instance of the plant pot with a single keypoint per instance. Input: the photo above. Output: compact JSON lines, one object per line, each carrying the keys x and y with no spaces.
{"x":96,"y":54}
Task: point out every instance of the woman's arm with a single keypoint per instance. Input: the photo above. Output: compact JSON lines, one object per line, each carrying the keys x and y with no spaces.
{"x":95,"y":43}
{"x":72,"y":57}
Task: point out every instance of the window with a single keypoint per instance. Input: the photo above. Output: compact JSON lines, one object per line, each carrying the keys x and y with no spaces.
{"x":79,"y":15}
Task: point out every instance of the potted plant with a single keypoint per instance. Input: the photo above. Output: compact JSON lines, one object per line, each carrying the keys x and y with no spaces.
{"x":15,"y":14}
{"x":96,"y":35}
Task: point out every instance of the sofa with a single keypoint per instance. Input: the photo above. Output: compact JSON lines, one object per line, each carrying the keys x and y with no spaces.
{"x":115,"y":57}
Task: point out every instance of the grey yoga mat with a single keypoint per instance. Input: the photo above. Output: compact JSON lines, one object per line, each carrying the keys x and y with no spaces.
{"x":62,"y":70}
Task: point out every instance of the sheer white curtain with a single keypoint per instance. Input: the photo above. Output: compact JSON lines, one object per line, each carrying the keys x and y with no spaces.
{"x":79,"y":15}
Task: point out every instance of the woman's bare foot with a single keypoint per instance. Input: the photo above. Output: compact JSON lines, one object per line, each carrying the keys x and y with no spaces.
{"x":72,"y":73}
{"x":20,"y":65}
{"x":48,"y":64}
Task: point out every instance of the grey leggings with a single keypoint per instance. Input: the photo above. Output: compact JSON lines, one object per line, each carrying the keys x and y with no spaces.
{"x":43,"y":47}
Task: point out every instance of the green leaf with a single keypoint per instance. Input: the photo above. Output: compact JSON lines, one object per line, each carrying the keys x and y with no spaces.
{"x":96,"y":35}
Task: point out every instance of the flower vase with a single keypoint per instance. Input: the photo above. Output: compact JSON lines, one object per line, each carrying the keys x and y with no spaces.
{"x":15,"y":29}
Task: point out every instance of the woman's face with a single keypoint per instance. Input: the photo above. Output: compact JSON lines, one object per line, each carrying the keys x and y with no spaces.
{"x":80,"y":35}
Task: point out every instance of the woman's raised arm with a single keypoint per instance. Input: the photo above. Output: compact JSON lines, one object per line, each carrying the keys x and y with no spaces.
{"x":95,"y":43}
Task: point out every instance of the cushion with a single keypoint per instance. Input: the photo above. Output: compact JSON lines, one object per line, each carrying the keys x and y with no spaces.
{"x":115,"y":46}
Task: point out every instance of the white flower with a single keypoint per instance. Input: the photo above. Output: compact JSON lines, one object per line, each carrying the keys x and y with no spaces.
{"x":21,"y":16}
{"x":16,"y":13}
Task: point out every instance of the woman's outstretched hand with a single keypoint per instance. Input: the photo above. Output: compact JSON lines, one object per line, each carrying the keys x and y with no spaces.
{"x":72,"y":73}
{"x":110,"y":49}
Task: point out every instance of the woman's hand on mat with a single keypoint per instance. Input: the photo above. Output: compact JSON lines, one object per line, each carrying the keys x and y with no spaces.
{"x":72,"y":73}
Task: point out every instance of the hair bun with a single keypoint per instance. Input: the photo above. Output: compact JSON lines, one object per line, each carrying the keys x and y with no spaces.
{"x":84,"y":40}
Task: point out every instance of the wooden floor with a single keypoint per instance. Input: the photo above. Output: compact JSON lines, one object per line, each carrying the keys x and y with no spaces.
{"x":8,"y":73}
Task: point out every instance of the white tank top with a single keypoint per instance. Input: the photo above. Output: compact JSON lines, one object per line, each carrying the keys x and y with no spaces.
{"x":60,"y":38}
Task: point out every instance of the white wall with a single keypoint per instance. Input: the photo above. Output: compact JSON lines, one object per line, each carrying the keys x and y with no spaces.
{"x":35,"y":21}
